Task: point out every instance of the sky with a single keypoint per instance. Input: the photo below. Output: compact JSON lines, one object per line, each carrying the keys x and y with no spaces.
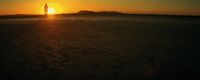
{"x":177,"y":7}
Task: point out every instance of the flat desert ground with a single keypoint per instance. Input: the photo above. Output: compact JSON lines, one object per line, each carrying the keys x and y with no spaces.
{"x":100,"y":48}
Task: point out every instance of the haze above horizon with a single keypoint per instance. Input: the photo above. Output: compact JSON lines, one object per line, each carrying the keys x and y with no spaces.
{"x":177,"y":7}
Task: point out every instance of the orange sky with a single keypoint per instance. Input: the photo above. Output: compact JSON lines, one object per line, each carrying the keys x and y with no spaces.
{"x":188,"y":7}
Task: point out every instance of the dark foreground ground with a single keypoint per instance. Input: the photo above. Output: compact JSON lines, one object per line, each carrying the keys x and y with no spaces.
{"x":146,"y":48}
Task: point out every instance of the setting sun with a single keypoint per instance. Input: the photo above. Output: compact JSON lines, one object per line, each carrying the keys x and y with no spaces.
{"x":51,"y":10}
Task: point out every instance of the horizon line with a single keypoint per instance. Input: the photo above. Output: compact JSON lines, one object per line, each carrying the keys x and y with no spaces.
{"x":109,"y":12}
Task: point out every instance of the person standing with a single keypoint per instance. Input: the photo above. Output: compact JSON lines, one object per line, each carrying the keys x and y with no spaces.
{"x":46,"y":9}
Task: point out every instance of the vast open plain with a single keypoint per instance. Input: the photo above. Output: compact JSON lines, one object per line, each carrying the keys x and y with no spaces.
{"x":99,"y":48}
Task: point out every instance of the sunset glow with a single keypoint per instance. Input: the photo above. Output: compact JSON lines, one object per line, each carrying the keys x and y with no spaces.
{"x":189,"y":7}
{"x":51,"y":10}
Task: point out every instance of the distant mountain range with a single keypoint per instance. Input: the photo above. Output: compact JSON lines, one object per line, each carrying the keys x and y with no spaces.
{"x":87,"y":12}
{"x":99,"y":13}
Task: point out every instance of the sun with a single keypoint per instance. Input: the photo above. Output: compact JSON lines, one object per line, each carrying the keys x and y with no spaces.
{"x":51,"y":10}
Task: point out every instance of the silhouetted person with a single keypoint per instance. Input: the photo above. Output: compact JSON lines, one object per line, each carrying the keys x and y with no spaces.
{"x":45,"y":9}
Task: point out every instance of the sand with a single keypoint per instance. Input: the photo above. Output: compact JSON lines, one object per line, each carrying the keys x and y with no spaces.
{"x":99,"y":48}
